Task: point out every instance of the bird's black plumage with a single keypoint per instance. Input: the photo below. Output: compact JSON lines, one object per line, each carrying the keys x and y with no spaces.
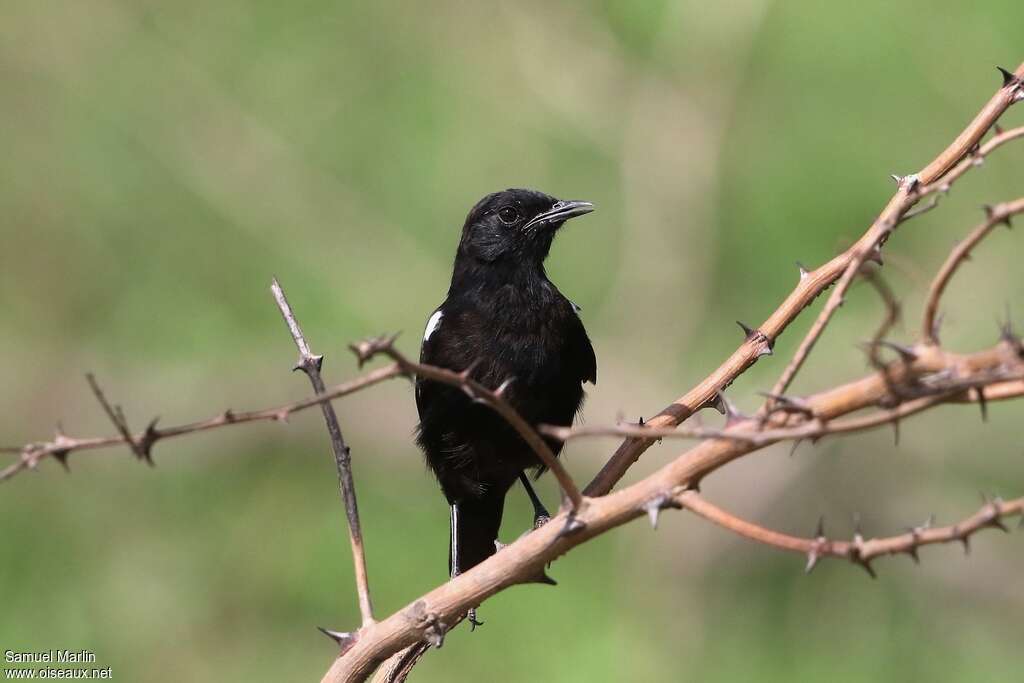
{"x":503,"y":319}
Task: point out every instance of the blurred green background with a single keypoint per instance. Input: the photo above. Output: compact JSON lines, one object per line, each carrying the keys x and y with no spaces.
{"x":160,"y":161}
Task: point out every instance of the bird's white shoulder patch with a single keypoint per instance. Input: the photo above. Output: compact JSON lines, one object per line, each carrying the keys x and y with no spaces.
{"x":432,"y":324}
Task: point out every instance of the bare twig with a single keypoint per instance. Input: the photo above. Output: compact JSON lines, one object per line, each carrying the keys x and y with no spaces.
{"x":859,"y":550}
{"x":1000,"y":214}
{"x":62,"y":445}
{"x":310,"y":364}
{"x":998,"y":385}
{"x":141,"y":446}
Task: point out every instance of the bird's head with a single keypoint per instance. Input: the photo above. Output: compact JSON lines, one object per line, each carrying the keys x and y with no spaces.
{"x":516,"y":226}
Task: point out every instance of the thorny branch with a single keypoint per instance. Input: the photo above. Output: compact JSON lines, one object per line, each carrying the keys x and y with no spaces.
{"x":311,"y":364}
{"x":936,"y":176}
{"x":859,"y":550}
{"x":921,"y":376}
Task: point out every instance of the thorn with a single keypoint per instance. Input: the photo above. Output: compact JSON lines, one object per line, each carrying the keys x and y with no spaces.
{"x":344,"y":639}
{"x":803,"y":271}
{"x":866,"y":564}
{"x":473,"y":623}
{"x":542,"y":578}
{"x":732,"y":414}
{"x":896,"y":432}
{"x":906,"y":353}
{"x":796,"y":444}
{"x":304,"y":363}
{"x":997,"y":128}
{"x":819,"y":531}
{"x":812,"y":562}
{"x":875,"y":255}
{"x":755,"y":335}
{"x":573,"y":524}
{"x":62,"y":458}
{"x":789,"y":404}
{"x":896,"y":178}
{"x":966,"y":540}
{"x":1009,"y":78}
{"x":979,"y":393}
{"x":857,"y":535}
{"x":990,"y":211}
{"x":228,"y":415}
{"x":655,"y":505}
{"x":912,"y":551}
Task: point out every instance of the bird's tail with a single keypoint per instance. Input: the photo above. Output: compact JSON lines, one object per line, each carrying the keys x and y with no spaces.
{"x":474,"y":529}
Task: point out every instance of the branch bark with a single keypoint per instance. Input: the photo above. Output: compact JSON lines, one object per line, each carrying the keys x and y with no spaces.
{"x":310,"y":364}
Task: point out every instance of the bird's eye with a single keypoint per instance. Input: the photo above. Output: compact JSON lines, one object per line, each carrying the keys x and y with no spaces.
{"x":508,"y":215}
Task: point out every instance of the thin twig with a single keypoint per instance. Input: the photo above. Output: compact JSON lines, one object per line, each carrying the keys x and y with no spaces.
{"x":310,"y":364}
{"x":1000,"y":214}
{"x":63,"y":445}
{"x":141,"y":446}
{"x":859,"y":550}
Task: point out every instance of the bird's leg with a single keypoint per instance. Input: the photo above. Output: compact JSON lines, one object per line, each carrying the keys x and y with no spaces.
{"x":453,"y":562}
{"x":540,"y":513}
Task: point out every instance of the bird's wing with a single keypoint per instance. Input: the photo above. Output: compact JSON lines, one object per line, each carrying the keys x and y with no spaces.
{"x":588,"y":358}
{"x":582,"y":349}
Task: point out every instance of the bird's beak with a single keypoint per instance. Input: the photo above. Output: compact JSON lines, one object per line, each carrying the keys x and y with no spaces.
{"x":561,"y":211}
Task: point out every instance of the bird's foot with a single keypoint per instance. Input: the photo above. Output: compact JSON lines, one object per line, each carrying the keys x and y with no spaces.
{"x":473,"y":621}
{"x":540,"y":520}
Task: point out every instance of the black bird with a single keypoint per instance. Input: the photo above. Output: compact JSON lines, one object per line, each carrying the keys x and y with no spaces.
{"x":503,"y":320}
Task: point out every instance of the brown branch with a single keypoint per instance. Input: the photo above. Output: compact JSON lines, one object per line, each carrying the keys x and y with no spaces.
{"x":62,"y":445}
{"x":367,"y":349}
{"x":998,"y":386}
{"x":973,"y":159}
{"x":1000,"y":214}
{"x":141,"y":445}
{"x":858,"y":550}
{"x":310,"y":364}
{"x":521,"y":561}
{"x":889,"y":300}
{"x":809,"y":287}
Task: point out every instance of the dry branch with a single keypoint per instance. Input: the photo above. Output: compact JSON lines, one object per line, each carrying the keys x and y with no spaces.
{"x":1000,"y":214}
{"x":858,"y":550}
{"x":812,"y":283}
{"x":62,"y":445}
{"x":311,"y":364}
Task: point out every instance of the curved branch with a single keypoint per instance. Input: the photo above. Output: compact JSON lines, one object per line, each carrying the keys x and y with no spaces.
{"x":859,"y":551}
{"x":1000,"y":214}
